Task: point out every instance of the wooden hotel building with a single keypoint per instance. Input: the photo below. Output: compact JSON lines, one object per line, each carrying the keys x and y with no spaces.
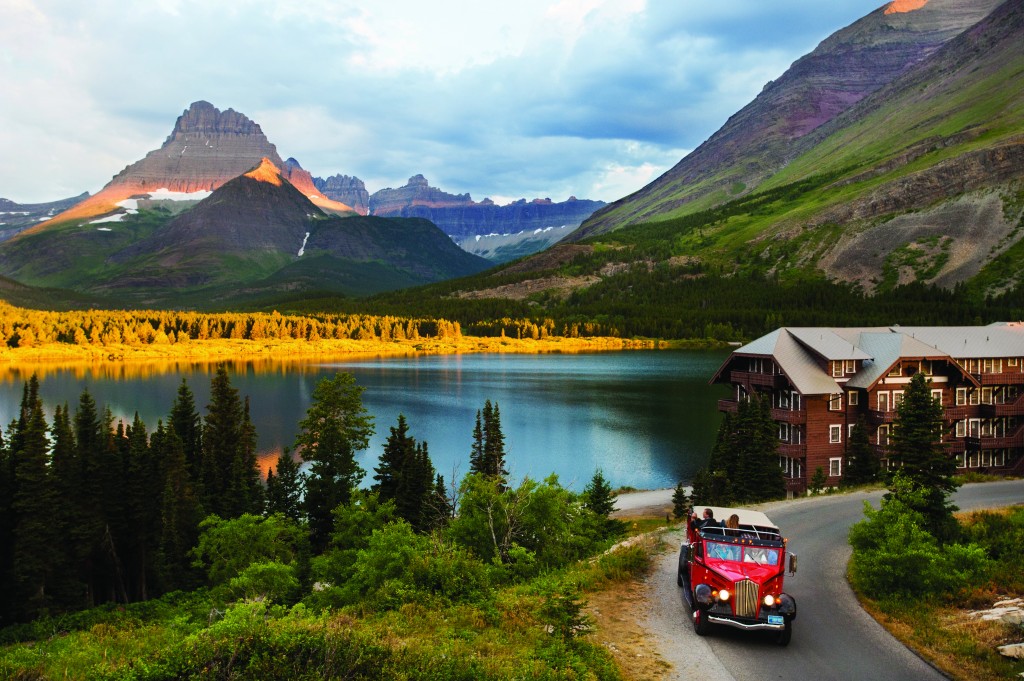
{"x":821,"y":381}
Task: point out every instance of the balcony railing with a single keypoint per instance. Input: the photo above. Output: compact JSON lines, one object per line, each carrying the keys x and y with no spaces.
{"x":730,"y":406}
{"x":789,"y":415}
{"x":998,"y":379}
{"x":753,"y":378}
{"x":791,"y":450}
{"x":876,"y":417}
{"x":1013,"y":408}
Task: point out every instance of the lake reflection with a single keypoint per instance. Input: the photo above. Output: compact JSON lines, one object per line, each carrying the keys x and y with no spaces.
{"x":647,"y":419}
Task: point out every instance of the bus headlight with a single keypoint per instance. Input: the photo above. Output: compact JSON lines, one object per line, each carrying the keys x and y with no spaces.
{"x":769,"y":600}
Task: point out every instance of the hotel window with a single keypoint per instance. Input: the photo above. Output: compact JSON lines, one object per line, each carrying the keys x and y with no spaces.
{"x":837,"y":369}
{"x":883,"y":400}
{"x":937,"y":396}
{"x":883,"y":435}
{"x":896,"y":370}
{"x":961,"y":428}
{"x":986,"y":395}
{"x":850,"y":366}
{"x":853,"y":398}
{"x":986,"y":458}
{"x":835,"y":467}
{"x":835,"y":434}
{"x":974,"y":397}
{"x":1011,"y":362}
{"x":784,"y":432}
{"x":796,"y":401}
{"x":999,"y":457}
{"x":897,"y":398}
{"x":926,"y":367}
{"x":974,"y":428}
{"x":972,"y":460}
{"x":835,"y":403}
{"x":849,"y":429}
{"x":961,"y":460}
{"x":961,"y":396}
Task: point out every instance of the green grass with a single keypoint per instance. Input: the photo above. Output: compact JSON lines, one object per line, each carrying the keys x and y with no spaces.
{"x":514,"y":632}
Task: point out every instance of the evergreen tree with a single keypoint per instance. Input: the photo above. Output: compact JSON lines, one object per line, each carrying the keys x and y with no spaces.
{"x":406,"y":476}
{"x":494,"y":443}
{"x":598,"y":497}
{"x":681,"y":504}
{"x":285,"y":484}
{"x":419,"y":487}
{"x":143,"y":491}
{"x":916,"y":449}
{"x":399,"y":450}
{"x":68,"y":588}
{"x":744,"y":464}
{"x":335,"y":427}
{"x":7,"y":488}
{"x":228,"y":449}
{"x":441,"y":507}
{"x":188,"y":425}
{"x":476,"y":453}
{"x":862,"y":465}
{"x":180,"y":511}
{"x":36,"y":537}
{"x":89,"y":505}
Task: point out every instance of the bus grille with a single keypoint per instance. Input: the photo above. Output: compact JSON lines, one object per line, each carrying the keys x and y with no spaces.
{"x":746,"y":598}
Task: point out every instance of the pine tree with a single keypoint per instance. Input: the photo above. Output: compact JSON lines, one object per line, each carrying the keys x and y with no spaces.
{"x":185,"y":421}
{"x":493,"y":459}
{"x":7,"y":488}
{"x":476,"y":453}
{"x":285,"y":484}
{"x":143,"y":491}
{"x":180,"y":511}
{"x":222,"y":433}
{"x":598,"y":497}
{"x":915,"y":446}
{"x":399,"y":450}
{"x":406,"y":475}
{"x":681,"y":503}
{"x":335,"y":427}
{"x":862,"y":465}
{"x":35,"y":538}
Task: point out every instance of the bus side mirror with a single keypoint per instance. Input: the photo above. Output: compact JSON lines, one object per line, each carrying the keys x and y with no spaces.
{"x":792,"y":563}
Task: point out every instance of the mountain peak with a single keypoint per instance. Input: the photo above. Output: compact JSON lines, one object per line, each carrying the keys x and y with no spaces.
{"x":204,"y":118}
{"x":900,"y":6}
{"x":267,"y":172}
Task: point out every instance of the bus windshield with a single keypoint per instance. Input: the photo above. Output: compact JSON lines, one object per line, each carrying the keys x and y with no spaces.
{"x":748,"y":554}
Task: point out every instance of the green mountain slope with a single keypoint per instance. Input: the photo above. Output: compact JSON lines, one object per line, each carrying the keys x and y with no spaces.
{"x":255,"y":236}
{"x":919,"y":181}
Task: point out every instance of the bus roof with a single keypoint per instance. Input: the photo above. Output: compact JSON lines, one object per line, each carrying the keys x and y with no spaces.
{"x":747,"y":516}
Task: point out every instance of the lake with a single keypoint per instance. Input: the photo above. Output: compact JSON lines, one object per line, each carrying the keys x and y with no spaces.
{"x":646,"y":418}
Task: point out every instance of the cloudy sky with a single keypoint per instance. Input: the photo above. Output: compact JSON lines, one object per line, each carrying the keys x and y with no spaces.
{"x":531,"y":98}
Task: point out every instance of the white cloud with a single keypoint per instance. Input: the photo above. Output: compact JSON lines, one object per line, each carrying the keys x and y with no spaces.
{"x":541,"y":98}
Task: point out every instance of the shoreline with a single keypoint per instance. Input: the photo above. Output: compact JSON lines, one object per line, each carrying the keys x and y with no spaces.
{"x":220,"y":350}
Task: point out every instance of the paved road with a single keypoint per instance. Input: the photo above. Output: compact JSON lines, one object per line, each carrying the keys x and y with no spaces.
{"x":833,"y":638}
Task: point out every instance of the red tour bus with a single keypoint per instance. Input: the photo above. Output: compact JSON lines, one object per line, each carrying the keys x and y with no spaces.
{"x":734,"y":575}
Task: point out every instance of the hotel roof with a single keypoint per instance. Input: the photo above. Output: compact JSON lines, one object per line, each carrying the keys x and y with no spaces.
{"x":803,"y":353}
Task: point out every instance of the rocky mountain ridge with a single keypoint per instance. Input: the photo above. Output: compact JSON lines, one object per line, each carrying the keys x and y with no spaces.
{"x":773,"y":129}
{"x":206,"y":148}
{"x":254,"y":235}
{"x":499,"y":233}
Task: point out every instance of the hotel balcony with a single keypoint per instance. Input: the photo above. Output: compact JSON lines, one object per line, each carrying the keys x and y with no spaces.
{"x":1014,"y":408}
{"x":789,"y":415}
{"x":876,"y":417}
{"x":750,"y":378}
{"x":792,"y":451}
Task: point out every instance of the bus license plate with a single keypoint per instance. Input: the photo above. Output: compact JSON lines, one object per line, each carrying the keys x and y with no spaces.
{"x":776,"y":619}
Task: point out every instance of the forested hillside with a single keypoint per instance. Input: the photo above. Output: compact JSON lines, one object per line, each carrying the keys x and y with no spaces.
{"x":133,"y":551}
